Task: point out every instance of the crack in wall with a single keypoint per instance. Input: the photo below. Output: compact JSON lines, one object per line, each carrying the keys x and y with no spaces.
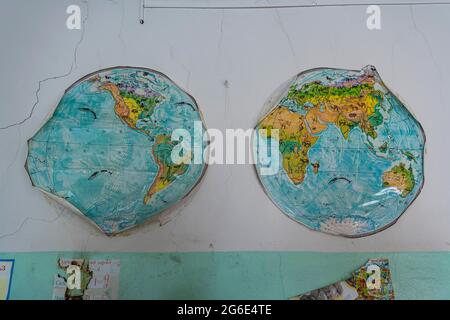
{"x":219,"y":44}
{"x":18,"y":124}
{"x":42,"y":81}
{"x":188,"y":71}
{"x":286,"y":34}
{"x":29,"y":219}
{"x":430,"y":50}
{"x":19,"y":145}
{"x":121,"y":23}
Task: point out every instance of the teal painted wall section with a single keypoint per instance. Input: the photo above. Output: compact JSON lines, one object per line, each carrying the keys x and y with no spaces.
{"x":236,"y":275}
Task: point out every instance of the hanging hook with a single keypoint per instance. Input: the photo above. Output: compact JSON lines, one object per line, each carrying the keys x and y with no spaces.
{"x":141,"y":11}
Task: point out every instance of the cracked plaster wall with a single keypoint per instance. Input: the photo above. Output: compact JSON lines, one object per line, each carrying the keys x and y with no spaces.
{"x":230,"y":61}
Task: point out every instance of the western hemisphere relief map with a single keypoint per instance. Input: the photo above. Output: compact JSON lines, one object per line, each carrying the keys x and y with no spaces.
{"x":106,"y":150}
{"x":351,"y":154}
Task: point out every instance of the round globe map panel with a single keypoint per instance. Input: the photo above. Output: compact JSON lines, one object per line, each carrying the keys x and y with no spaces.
{"x":107,"y":149}
{"x":348,"y":154}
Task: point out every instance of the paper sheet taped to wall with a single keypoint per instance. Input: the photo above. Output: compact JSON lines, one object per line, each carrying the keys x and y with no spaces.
{"x":83,"y":279}
{"x":370,"y":282}
{"x":6,"y":270}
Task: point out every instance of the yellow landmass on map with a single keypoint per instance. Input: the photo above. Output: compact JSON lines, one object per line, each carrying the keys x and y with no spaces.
{"x":296,"y":139}
{"x":168,"y":171}
{"x":343,"y":111}
{"x":346,"y":107}
{"x":401,"y":178}
{"x":129,"y":110}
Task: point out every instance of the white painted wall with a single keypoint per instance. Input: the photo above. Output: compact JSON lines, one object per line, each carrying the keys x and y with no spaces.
{"x":254,"y":51}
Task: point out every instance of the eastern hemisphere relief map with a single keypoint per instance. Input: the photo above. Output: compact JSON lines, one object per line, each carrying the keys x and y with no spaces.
{"x":351,"y":154}
{"x":106,"y":150}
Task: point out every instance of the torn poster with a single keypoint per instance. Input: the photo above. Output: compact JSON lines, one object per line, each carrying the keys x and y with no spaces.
{"x":370,"y":282}
{"x":6,"y":271}
{"x":83,"y":279}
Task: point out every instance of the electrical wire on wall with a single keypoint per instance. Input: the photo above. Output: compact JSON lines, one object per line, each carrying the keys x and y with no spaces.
{"x":314,"y":4}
